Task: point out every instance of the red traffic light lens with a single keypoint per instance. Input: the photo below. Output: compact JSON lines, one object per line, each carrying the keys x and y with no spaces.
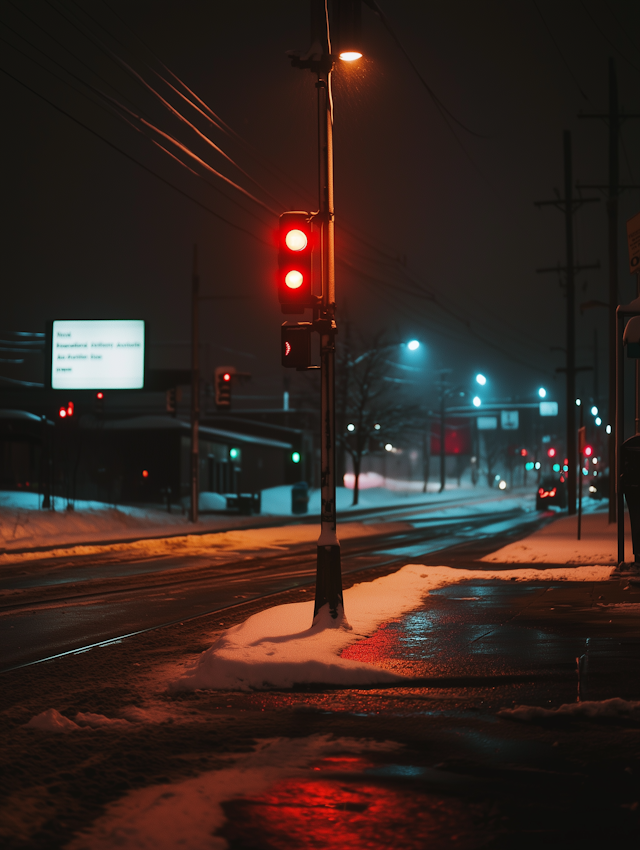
{"x":296,"y":240}
{"x":588,"y":451}
{"x":99,"y":395}
{"x":523,"y":452}
{"x":62,"y":412}
{"x":551,"y":452}
{"x":294,"y":279}
{"x":145,"y":473}
{"x":226,"y":377}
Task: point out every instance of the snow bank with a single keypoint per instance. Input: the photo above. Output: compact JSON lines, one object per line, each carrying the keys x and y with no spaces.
{"x":187,"y":814}
{"x":278,"y":648}
{"x":616,"y":707}
{"x":52,"y":721}
{"x":557,"y":543}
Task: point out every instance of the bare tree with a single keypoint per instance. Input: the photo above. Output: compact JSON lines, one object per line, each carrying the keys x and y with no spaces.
{"x":370,"y":405}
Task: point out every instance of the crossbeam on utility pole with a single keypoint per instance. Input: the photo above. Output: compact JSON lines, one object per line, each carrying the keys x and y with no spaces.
{"x":568,"y":205}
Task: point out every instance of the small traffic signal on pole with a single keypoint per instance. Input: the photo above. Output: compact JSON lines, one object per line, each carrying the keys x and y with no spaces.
{"x":223,"y":377}
{"x":66,"y":412}
{"x":295,"y":346}
{"x":294,"y":262}
{"x":98,"y":404}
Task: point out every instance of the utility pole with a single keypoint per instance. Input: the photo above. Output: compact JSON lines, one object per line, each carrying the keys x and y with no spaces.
{"x":568,"y":205}
{"x":614,"y":119}
{"x":195,"y":389}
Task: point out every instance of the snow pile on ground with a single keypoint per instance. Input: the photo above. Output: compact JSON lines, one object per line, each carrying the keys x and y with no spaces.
{"x":557,"y":543}
{"x":52,"y":721}
{"x":614,"y":708}
{"x":188,"y":813}
{"x":24,"y":524}
{"x":279,"y":648}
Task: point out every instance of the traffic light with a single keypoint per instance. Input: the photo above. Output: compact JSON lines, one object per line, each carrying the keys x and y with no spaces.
{"x":98,"y":404}
{"x":223,"y":377}
{"x":551,"y":452}
{"x":295,"y":346}
{"x":294,"y":262}
{"x":66,"y":412}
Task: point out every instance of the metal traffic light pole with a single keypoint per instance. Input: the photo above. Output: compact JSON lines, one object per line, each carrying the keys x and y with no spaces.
{"x":328,"y":571}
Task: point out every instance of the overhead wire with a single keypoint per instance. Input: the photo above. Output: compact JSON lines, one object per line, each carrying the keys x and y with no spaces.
{"x":606,"y":37}
{"x":560,"y":53}
{"x":136,"y":161}
{"x":118,"y":60}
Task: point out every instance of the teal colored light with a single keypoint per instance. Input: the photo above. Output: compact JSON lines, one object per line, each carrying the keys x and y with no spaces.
{"x":529,"y":465}
{"x":556,"y":467}
{"x":295,"y":457}
{"x":234,"y":453}
{"x":585,"y":471}
{"x":565,"y":468}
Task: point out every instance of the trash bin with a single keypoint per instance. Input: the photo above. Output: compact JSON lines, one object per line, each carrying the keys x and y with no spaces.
{"x":630,"y":467}
{"x":300,"y":498}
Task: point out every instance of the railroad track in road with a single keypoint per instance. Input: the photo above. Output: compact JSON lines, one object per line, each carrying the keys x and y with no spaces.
{"x":36,"y":629}
{"x":47,"y":594}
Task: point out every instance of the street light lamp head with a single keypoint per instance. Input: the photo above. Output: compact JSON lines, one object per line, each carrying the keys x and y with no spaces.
{"x":477,"y":401}
{"x":594,"y":410}
{"x":598,"y":420}
{"x":578,"y":402}
{"x":350,"y":55}
{"x":542,"y":392}
{"x":480,"y":379}
{"x":388,"y":447}
{"x":351,"y":427}
{"x":414,"y":345}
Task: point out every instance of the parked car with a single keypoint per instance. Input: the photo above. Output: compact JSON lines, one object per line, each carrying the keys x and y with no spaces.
{"x":552,"y":490}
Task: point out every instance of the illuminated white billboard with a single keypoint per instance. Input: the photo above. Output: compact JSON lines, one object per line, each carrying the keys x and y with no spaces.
{"x":97,"y":355}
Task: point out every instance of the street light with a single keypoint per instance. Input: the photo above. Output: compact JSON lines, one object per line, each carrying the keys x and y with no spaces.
{"x":480,"y":379}
{"x":542,"y":392}
{"x":594,"y":410}
{"x":414,"y":345}
{"x":477,"y":401}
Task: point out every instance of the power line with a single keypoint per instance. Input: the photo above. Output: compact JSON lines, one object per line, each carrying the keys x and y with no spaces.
{"x":136,"y":161}
{"x":560,"y":53}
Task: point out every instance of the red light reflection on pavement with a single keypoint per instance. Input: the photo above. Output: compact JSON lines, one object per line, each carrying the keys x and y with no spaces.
{"x":380,"y":645}
{"x":346,"y":813}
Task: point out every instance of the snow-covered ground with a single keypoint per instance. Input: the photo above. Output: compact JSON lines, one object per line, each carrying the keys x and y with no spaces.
{"x":279,"y":647}
{"x":23,"y":526}
{"x":557,"y":543}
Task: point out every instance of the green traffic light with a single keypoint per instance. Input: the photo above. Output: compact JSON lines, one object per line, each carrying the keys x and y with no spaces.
{"x":234,"y":453}
{"x":295,"y":457}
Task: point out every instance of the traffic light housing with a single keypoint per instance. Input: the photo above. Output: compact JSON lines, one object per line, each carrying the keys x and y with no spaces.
{"x":223,"y":379}
{"x":295,"y":346}
{"x":294,"y":262}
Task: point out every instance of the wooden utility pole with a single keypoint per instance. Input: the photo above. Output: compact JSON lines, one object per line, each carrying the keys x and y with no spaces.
{"x":568,"y":205}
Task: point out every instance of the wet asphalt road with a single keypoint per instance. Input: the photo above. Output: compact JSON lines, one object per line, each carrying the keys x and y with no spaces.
{"x":448,"y":771}
{"x":430,"y":764}
{"x":51,"y":608}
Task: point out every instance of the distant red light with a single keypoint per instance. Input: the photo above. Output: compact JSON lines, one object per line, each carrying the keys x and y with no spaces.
{"x":226,"y":377}
{"x":99,"y":395}
{"x":145,"y":473}
{"x":62,"y":412}
{"x":551,"y":452}
{"x":588,"y":451}
{"x":523,"y":452}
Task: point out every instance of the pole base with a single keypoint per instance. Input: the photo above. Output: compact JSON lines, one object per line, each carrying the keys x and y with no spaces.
{"x":328,"y":580}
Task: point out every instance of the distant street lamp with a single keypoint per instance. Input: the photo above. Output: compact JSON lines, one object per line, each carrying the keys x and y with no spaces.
{"x":480,"y":379}
{"x":542,"y":392}
{"x":477,"y":401}
{"x":414,"y":345}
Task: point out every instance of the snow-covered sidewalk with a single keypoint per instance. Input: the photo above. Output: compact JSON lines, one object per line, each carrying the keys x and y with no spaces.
{"x":557,"y":543}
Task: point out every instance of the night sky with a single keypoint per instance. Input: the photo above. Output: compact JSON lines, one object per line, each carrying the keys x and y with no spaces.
{"x":88,"y":233}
